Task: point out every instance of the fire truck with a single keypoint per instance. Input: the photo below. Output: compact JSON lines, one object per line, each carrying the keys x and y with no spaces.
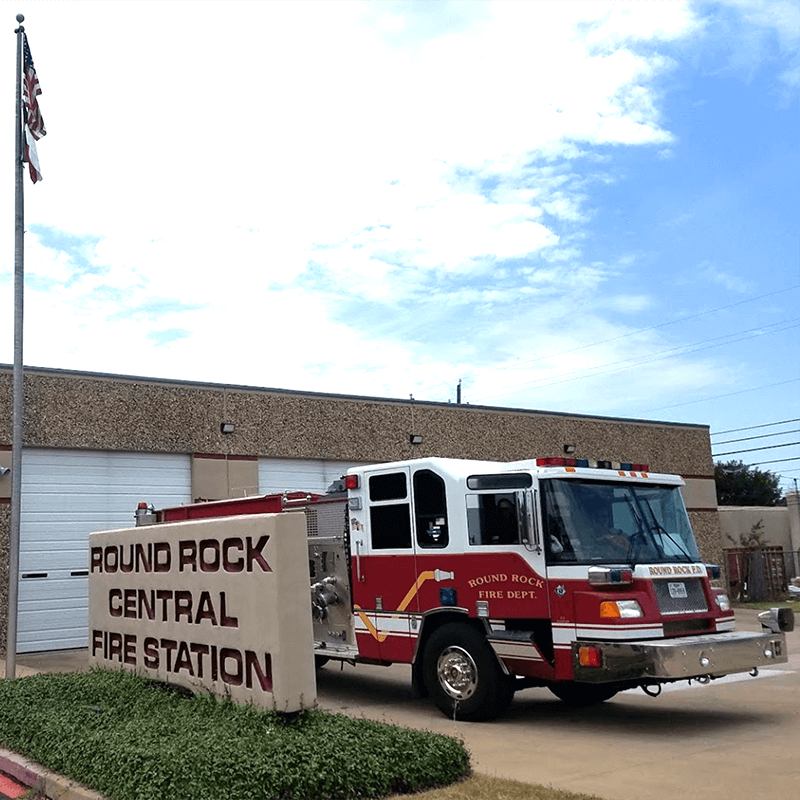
{"x":489,"y":577}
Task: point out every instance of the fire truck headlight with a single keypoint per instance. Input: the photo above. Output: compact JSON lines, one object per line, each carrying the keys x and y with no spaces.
{"x":723,"y":602}
{"x":617,"y":609}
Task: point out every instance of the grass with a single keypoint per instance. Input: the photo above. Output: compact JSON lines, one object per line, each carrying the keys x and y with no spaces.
{"x":483,"y":787}
{"x":134,"y":739}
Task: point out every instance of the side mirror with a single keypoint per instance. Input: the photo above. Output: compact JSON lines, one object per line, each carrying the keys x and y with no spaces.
{"x":777,"y":620}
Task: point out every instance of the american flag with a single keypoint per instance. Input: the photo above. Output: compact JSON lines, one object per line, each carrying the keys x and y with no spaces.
{"x":34,"y":124}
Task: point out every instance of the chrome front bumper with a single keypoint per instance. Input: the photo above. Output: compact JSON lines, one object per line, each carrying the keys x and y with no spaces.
{"x":682,"y":658}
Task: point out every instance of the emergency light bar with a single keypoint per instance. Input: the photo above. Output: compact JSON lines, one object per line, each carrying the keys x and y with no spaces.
{"x":622,"y":466}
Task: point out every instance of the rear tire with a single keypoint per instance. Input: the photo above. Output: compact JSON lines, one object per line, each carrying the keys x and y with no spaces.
{"x":463,"y":676}
{"x":320,"y":661}
{"x":581,"y":695}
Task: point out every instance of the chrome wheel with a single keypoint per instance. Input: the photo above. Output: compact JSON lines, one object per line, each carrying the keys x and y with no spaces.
{"x":457,"y":672}
{"x":462,"y":674}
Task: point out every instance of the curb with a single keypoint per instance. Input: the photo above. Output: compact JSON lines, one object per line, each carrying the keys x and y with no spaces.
{"x":45,"y":783}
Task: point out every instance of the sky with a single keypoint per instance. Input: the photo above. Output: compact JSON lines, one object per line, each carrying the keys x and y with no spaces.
{"x":581,"y":207}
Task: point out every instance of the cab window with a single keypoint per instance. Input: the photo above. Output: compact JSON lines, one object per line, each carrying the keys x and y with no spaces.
{"x":494,"y":519}
{"x":430,"y":509}
{"x":389,"y":513}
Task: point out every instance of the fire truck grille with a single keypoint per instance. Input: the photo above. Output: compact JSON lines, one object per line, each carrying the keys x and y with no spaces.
{"x":680,"y":596}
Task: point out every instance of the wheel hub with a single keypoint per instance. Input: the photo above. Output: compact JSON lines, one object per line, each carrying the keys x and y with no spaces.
{"x":458,"y":674}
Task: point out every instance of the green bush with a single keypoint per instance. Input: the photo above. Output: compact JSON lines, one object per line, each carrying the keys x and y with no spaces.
{"x":135,"y":739}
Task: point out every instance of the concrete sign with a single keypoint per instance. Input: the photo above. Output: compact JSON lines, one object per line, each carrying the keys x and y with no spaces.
{"x":220,"y":605}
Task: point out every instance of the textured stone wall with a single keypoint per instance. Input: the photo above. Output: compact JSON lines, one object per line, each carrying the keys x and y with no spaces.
{"x":709,"y":536}
{"x":108,"y":413}
{"x":100,"y":412}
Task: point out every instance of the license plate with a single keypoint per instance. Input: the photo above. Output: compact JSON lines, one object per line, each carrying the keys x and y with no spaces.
{"x":677,"y":591}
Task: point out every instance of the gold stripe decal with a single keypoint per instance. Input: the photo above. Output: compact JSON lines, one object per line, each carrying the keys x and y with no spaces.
{"x":438,"y":575}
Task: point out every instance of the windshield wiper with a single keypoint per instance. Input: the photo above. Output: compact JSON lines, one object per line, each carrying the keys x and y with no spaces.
{"x":659,"y":528}
{"x":637,"y":536}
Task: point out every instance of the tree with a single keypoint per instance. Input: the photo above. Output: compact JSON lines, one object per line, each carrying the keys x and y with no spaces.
{"x":741,"y":485}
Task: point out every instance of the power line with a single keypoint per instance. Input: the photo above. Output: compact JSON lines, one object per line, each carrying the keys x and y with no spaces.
{"x":621,"y":336}
{"x":663,"y":355}
{"x":754,"y":427}
{"x":729,"y":394}
{"x":754,"y":449}
{"x":761,"y":436}
{"x":774,"y":461}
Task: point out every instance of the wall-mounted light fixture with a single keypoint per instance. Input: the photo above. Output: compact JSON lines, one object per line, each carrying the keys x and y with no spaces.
{"x":569,"y":448}
{"x":4,"y":471}
{"x":415,"y":438}
{"x":226,"y":427}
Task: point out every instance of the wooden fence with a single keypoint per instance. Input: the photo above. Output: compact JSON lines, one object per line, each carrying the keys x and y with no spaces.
{"x":760,"y":574}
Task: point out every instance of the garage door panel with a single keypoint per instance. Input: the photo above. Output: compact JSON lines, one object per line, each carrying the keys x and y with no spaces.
{"x":95,"y":493}
{"x":43,"y":630}
{"x":67,"y":558}
{"x":46,"y":541}
{"x":55,"y":611}
{"x":65,"y":496}
{"x":303,"y":475}
{"x":69,"y":639}
{"x":86,"y":471}
{"x":70,"y":592}
{"x":42,"y":519}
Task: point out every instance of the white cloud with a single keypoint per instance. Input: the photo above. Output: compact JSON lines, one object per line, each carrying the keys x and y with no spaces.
{"x":710,"y":272}
{"x":628,"y":303}
{"x":354,"y":197}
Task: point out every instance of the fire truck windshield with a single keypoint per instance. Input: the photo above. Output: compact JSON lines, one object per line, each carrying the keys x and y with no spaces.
{"x":586,"y":522}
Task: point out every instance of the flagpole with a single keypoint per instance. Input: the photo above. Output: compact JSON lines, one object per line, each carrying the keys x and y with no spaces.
{"x":18,"y":388}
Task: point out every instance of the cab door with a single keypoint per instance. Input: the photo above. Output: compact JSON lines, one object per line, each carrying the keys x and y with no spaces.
{"x":386,"y":569}
{"x":434,"y":585}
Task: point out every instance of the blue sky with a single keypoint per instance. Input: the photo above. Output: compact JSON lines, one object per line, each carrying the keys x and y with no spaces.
{"x":586,"y":207}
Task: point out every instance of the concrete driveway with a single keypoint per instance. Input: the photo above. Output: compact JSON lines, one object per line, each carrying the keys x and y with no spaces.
{"x":736,"y":739}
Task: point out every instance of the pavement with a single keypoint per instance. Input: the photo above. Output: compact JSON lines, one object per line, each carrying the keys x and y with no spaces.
{"x":19,"y":774}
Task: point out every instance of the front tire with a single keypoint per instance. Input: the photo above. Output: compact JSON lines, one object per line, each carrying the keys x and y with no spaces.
{"x":463,"y":676}
{"x":582,"y":694}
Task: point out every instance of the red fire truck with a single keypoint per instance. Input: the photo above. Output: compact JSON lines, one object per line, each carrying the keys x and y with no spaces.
{"x":490,"y":577}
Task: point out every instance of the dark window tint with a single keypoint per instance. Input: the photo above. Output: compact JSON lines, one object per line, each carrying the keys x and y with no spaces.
{"x":388,"y":487}
{"x":391,"y":526}
{"x":493,"y":519}
{"x":430,"y":506}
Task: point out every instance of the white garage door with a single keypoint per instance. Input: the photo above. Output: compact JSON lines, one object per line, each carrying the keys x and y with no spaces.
{"x":66,"y":494}
{"x":299,"y":474}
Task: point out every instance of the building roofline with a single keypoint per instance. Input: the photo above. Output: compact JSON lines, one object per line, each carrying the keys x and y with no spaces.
{"x":105,"y":376}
